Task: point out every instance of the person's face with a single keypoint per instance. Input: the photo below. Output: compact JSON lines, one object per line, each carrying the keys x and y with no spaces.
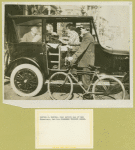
{"x":49,"y":28}
{"x":83,"y":31}
{"x":34,"y":30}
{"x":67,"y":30}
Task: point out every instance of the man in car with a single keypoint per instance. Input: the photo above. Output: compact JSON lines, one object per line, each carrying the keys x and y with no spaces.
{"x":38,"y":35}
{"x":28,"y":37}
{"x":73,"y":37}
{"x":85,"y":55}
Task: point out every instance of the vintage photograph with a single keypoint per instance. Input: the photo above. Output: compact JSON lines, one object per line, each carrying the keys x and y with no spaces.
{"x":67,"y":51}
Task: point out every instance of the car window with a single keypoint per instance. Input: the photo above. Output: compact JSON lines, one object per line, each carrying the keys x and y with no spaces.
{"x":29,"y":31}
{"x":61,"y":28}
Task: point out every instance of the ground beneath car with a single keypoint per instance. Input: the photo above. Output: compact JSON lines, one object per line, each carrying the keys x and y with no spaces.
{"x":9,"y":94}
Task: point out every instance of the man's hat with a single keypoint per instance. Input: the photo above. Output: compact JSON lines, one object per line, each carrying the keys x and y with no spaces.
{"x":85,"y":26}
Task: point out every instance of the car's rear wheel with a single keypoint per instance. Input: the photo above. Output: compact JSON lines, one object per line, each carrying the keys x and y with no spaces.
{"x":26,"y":80}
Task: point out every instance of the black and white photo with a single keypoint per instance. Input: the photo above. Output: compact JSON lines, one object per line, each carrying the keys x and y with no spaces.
{"x":68,"y":54}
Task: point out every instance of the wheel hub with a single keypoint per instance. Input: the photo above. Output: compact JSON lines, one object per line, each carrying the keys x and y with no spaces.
{"x":25,"y":81}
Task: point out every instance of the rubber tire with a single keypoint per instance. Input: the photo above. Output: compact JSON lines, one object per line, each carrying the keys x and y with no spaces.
{"x":6,"y":59}
{"x":71,"y":83}
{"x":104,"y":77}
{"x":36,"y":71}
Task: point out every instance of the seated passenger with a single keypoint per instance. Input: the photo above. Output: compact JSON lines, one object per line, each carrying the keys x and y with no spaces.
{"x":54,"y":38}
{"x":38,"y":36}
{"x":28,"y":37}
{"x":73,"y":37}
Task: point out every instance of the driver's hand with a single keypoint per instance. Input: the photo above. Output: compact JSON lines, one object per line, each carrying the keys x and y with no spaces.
{"x":69,"y":59}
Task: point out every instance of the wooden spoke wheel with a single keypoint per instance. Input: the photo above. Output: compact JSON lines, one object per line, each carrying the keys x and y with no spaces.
{"x":26,"y":80}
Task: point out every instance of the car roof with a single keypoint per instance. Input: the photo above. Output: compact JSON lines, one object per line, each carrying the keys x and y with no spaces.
{"x":51,"y":16}
{"x":21,"y":19}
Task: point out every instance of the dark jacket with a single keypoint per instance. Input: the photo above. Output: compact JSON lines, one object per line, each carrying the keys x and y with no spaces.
{"x":85,"y":55}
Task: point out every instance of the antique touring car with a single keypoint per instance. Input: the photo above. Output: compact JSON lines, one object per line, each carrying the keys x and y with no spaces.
{"x":32,"y":63}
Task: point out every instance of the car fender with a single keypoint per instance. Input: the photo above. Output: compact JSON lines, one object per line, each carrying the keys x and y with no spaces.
{"x":19,"y":61}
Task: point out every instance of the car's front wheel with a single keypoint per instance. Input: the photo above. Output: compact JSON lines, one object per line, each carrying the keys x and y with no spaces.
{"x":26,"y":80}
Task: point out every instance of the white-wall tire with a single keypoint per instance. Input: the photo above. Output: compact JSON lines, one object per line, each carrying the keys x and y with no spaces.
{"x":28,"y":74}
